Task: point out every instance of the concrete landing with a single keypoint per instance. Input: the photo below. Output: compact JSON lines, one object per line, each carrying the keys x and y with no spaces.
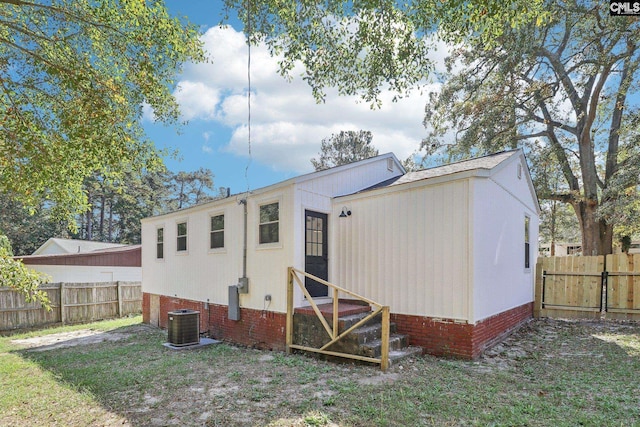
{"x":344,"y":309}
{"x":203,"y":342}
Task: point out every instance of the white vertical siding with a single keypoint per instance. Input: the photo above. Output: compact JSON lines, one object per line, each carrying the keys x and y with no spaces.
{"x":407,"y":248}
{"x":501,"y":281}
{"x":201,"y":273}
{"x":349,"y":179}
{"x":267,"y":264}
{"x":316,"y":193}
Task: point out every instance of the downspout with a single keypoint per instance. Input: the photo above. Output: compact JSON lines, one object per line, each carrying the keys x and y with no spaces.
{"x":244,"y":247}
{"x":243,"y":282}
{"x":242,"y":287}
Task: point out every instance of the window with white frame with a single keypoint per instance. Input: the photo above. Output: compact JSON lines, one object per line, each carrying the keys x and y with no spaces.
{"x":269,"y":223}
{"x":182,"y":237}
{"x":160,"y":243}
{"x":217,"y":232}
{"x":527,"y":252}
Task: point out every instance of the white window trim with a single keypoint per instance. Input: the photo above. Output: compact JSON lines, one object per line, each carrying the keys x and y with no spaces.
{"x":223,"y":249}
{"x":175,"y":240}
{"x":272,"y":245}
{"x":527,"y":269}
{"x":164,"y":243}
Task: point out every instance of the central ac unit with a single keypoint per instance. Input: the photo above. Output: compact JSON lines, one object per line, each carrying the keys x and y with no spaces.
{"x":184,"y":327}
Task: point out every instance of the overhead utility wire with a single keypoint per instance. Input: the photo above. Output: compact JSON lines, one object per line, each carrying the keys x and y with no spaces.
{"x":246,"y":170}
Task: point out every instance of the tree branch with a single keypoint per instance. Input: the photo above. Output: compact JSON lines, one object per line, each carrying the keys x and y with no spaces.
{"x":36,"y":56}
{"x":616,"y":117}
{"x":560,"y":70}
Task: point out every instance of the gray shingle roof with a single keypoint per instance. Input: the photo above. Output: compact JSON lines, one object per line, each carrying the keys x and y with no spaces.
{"x":486,"y":162}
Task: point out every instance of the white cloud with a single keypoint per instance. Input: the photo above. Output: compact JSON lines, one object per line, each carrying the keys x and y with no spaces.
{"x":147,"y":112}
{"x":287,"y":125}
{"x":197,"y":99}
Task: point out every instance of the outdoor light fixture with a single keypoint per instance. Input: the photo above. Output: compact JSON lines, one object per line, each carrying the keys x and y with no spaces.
{"x":345,"y":212}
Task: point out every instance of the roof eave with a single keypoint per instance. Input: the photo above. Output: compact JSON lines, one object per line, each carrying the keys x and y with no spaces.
{"x":475,"y":173}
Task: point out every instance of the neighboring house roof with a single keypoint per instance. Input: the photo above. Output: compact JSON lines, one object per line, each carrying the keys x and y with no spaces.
{"x":487,"y":162}
{"x":122,"y":256}
{"x":72,"y":246}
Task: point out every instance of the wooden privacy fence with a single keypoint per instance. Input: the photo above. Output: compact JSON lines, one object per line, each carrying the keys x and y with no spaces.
{"x":588,"y":287}
{"x":70,"y":303}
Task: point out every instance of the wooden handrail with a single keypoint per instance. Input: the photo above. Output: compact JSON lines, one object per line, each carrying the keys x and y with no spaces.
{"x":331,"y":285}
{"x":293,"y":276}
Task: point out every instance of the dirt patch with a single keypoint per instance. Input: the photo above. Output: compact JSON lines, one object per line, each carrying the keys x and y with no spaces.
{"x":75,"y":338}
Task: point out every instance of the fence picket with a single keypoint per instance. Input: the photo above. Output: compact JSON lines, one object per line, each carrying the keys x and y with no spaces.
{"x":574,"y":289}
{"x":571,"y":286}
{"x":71,"y":303}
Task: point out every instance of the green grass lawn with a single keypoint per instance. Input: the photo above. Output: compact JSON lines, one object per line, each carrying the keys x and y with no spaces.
{"x":550,"y":373}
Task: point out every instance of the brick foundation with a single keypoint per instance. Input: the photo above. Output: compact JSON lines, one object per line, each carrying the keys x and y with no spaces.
{"x":445,"y":337}
{"x":266,"y":329}
{"x":256,"y":328}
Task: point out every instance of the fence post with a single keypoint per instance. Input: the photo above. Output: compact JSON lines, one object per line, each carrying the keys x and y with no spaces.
{"x":544,"y":287}
{"x":604,"y":291}
{"x":62,"y":319}
{"x":384,"y":357}
{"x":119,"y":289}
{"x":94,"y":301}
{"x":537,"y":297}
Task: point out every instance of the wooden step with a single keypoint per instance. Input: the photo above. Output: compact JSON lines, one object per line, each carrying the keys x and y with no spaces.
{"x":363,"y":341}
{"x":345,"y":322}
{"x":374,"y":348}
{"x":369,"y":332}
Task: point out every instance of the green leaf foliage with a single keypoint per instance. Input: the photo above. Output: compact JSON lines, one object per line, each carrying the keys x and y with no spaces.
{"x":364,"y":47}
{"x":74,"y":77}
{"x":14,"y":275}
{"x":117,"y":207}
{"x":5,"y":245}
{"x":27,"y":229}
{"x":344,"y":148}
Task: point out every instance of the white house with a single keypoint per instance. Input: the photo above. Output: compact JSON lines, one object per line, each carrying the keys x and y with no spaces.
{"x":450,"y":249}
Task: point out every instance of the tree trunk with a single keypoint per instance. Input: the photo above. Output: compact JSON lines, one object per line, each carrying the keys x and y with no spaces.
{"x":102,"y":201}
{"x":552,"y":249}
{"x":597,"y":234}
{"x":89,"y":215}
{"x":606,"y":237}
{"x":89,"y":235}
{"x":110,"y":225}
{"x":181,"y":195}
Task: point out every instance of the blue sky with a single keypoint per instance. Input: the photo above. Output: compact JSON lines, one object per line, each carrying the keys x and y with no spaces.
{"x":287,"y":126}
